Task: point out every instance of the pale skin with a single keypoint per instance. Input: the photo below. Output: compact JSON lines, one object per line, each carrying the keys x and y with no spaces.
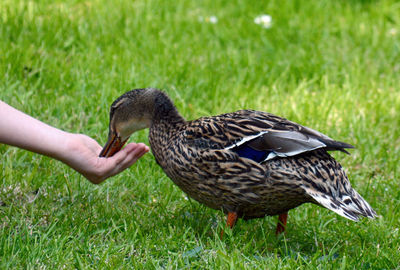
{"x":78,"y":151}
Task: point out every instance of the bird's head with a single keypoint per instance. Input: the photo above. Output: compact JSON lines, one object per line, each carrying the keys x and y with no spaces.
{"x":130,"y":112}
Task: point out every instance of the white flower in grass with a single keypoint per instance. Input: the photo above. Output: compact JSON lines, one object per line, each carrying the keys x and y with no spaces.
{"x":264,"y":20}
{"x":392,"y":31}
{"x":211,"y":19}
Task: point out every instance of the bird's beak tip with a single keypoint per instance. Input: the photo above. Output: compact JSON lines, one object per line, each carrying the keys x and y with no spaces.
{"x":113,"y":145}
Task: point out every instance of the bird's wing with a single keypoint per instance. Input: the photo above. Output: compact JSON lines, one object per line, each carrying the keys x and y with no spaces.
{"x":260,"y":136}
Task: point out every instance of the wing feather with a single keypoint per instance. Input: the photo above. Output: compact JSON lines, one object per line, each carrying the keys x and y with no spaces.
{"x":277,"y":136}
{"x":258,"y":131}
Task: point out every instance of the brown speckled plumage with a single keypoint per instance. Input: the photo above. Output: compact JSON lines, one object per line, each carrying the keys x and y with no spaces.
{"x":211,"y":159}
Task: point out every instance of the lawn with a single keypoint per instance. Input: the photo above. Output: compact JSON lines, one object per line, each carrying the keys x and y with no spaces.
{"x":330,"y":65}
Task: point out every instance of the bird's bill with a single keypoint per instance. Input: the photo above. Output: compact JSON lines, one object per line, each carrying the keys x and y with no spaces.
{"x":112,"y":146}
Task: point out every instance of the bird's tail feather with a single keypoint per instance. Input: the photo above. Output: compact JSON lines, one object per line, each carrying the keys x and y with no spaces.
{"x":350,"y":206}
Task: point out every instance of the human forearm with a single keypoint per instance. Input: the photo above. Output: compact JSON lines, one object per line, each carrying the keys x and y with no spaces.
{"x":21,"y":130}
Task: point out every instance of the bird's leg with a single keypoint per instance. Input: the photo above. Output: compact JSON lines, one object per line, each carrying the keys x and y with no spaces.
{"x":232,"y":217}
{"x":280,"y":228}
{"x":231,"y":221}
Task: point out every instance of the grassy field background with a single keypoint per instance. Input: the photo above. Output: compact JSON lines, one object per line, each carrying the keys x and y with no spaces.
{"x":330,"y":65}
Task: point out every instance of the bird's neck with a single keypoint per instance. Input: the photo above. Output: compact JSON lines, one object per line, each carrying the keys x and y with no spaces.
{"x":165,"y":126}
{"x":165,"y":111}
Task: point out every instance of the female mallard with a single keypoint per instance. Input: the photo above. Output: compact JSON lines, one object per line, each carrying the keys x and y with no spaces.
{"x":247,"y":163}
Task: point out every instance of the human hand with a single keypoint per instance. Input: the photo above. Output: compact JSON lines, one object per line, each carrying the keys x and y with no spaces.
{"x":76,"y":150}
{"x":82,"y":154}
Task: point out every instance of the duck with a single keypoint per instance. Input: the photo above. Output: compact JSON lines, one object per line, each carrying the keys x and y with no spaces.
{"x":248,"y":163}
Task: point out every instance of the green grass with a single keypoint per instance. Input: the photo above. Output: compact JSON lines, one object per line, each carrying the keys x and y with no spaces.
{"x":331,"y":65}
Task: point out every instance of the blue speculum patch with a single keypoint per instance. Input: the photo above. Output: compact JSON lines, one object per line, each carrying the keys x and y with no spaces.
{"x":250,"y":153}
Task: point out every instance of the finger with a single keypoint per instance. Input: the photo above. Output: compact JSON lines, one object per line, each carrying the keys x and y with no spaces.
{"x":133,"y":156}
{"x":122,"y":154}
{"x":122,"y":159}
{"x":125,"y":159}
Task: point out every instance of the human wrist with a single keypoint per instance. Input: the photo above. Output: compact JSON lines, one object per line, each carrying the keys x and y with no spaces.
{"x":67,"y":147}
